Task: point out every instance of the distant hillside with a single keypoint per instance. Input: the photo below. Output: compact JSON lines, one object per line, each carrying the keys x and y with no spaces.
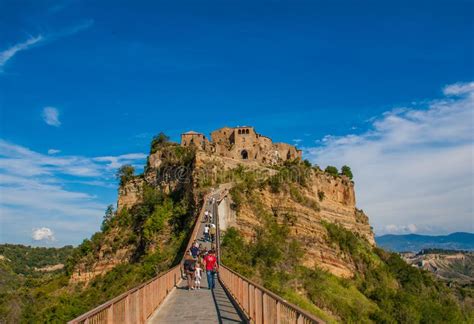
{"x":25,"y":259}
{"x":448,"y":265}
{"x":415,"y":242}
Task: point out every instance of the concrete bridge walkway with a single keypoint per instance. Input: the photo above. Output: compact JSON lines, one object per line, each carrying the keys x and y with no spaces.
{"x":198,"y":306}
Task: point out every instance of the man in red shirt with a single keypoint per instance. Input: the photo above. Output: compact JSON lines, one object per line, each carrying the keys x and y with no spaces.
{"x":210,"y":261}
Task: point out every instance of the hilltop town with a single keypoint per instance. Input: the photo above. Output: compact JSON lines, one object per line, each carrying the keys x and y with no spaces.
{"x":242,"y":143}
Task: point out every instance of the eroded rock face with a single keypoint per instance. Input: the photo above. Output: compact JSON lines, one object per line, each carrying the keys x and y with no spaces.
{"x":324,"y":198}
{"x":336,"y":205}
{"x":85,"y":272}
{"x":130,"y":193}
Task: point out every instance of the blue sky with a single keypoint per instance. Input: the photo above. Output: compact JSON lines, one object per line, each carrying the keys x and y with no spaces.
{"x":385,"y":87}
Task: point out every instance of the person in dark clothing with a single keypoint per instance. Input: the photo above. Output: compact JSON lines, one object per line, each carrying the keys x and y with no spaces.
{"x":189,"y":268}
{"x":194,"y":251}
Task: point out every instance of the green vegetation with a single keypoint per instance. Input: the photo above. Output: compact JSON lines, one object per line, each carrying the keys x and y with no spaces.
{"x":345,"y":170}
{"x":384,"y":289}
{"x":125,"y":173}
{"x":292,"y":177}
{"x":332,"y":170}
{"x":24,"y":259}
{"x":321,"y":195}
{"x":18,"y":274}
{"x":153,"y":234}
{"x":158,"y":141}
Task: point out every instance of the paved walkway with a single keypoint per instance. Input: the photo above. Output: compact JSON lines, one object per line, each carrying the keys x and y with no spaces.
{"x":197,"y":306}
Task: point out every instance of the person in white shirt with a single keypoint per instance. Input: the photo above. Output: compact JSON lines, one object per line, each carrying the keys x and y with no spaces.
{"x":197,"y":276}
{"x":206,"y":232}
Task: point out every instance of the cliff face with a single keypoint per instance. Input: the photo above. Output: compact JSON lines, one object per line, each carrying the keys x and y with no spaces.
{"x":152,"y":210}
{"x":321,"y":198}
{"x":324,"y":199}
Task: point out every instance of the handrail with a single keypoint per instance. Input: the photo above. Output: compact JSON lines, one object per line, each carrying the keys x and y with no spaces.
{"x":259,"y":304}
{"x":135,"y":305}
{"x":138,"y":304}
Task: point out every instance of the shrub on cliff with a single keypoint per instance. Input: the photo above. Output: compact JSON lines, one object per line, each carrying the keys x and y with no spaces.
{"x":332,"y":170}
{"x":345,"y":170}
{"x":125,"y":173}
{"x":158,"y":141}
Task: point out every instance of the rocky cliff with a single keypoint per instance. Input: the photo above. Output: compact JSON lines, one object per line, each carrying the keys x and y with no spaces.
{"x":323,"y":198}
{"x":153,"y":211}
{"x":306,"y":196}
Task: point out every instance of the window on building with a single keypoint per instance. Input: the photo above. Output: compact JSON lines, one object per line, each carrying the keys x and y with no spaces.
{"x":247,"y":131}
{"x":244,"y":154}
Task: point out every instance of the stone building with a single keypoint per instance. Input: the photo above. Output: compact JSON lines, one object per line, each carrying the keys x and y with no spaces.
{"x":242,"y":143}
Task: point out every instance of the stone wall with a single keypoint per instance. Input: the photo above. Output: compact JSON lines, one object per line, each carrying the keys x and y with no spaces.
{"x":243,"y":144}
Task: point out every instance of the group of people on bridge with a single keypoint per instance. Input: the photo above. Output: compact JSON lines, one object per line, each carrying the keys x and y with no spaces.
{"x":200,"y":257}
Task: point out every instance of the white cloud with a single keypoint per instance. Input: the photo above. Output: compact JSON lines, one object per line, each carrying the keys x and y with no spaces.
{"x":53,"y":151}
{"x":7,"y":54}
{"x":458,"y":88}
{"x":414,"y":168}
{"x":48,"y":189}
{"x":51,"y":116}
{"x":43,"y":234}
{"x":10,"y":52}
{"x":116,"y":162}
{"x":400,"y":229}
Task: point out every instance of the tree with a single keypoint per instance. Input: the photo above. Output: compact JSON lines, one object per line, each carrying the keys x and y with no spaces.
{"x":332,"y":170}
{"x":345,"y":170}
{"x":157,"y":141}
{"x":125,"y":173}
{"x":109,"y":213}
{"x":307,"y":163}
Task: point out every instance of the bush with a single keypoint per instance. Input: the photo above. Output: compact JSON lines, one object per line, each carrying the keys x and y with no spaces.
{"x":332,"y":170}
{"x":109,"y":214}
{"x":125,"y":173}
{"x":156,"y":221}
{"x":345,"y":170}
{"x":321,"y":195}
{"x":158,"y":141}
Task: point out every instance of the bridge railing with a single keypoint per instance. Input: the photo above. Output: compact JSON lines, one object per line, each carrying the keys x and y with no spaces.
{"x":138,"y":304}
{"x":261,"y":305}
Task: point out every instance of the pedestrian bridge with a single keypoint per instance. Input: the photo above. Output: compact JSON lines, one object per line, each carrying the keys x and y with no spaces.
{"x":166,"y":299}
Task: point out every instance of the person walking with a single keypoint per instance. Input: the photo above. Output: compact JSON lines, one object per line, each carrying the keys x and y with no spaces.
{"x":210,"y":217}
{"x":189,"y":268}
{"x":212,"y":232}
{"x":206,"y":233}
{"x":206,"y":216}
{"x":197,"y":276}
{"x":210,"y":262}
{"x":194,"y":251}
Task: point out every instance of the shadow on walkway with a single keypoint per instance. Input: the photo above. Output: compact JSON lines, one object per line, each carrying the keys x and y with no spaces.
{"x":227,"y":312}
